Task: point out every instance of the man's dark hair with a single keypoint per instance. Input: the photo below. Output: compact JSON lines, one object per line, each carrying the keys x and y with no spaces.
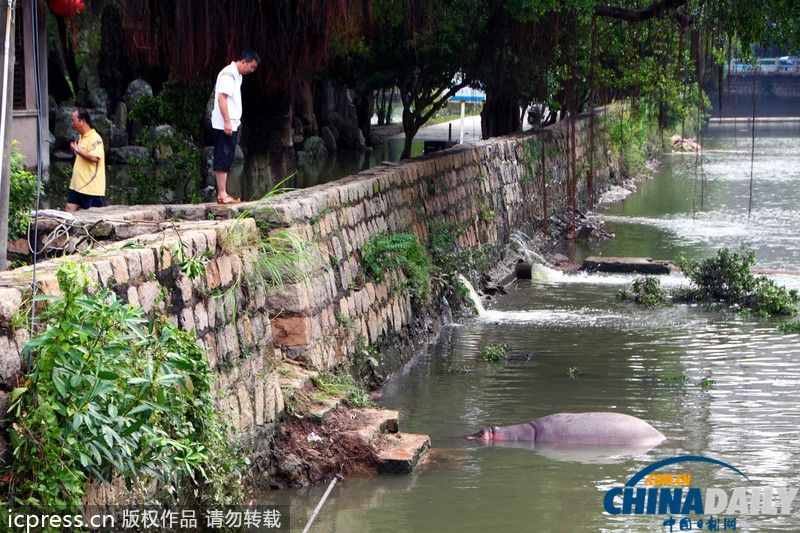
{"x":84,"y":116}
{"x":249,"y":55}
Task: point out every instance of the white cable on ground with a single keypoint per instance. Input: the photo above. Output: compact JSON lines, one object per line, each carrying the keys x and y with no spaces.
{"x":321,"y":503}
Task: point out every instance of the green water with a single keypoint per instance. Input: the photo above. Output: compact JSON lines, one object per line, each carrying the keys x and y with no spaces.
{"x":648,"y":363}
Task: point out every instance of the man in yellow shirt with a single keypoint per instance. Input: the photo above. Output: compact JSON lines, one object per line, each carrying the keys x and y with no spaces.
{"x":88,"y":186}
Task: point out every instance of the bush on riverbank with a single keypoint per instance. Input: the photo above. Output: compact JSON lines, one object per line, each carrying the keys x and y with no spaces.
{"x":23,"y":195}
{"x":113,"y":395}
{"x":385,"y":252}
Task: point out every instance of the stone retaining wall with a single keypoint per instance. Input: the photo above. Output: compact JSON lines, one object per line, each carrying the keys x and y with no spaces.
{"x":488,"y":189}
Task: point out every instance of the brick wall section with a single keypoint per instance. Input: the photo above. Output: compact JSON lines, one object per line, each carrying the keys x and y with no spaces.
{"x":247,"y":329}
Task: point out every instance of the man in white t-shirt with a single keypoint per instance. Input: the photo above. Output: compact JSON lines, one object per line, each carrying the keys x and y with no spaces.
{"x":227,"y":116}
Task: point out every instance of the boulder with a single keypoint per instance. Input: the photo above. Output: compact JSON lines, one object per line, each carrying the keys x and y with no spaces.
{"x":98,"y":99}
{"x":119,"y":137}
{"x":61,"y":126}
{"x":123,"y":154}
{"x":121,"y":116}
{"x":136,"y":90}
{"x":315,"y":147}
{"x":163,"y":150}
{"x":330,"y":140}
{"x":102,"y":124}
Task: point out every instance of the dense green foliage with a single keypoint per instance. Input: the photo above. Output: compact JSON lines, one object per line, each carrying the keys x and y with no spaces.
{"x":177,"y":172}
{"x":111,"y":394}
{"x":23,"y":195}
{"x":494,"y":353}
{"x":645,"y":291}
{"x":728,"y":278}
{"x":386,"y":252}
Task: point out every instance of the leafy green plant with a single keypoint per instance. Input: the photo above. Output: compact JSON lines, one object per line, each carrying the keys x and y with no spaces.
{"x":111,"y":394}
{"x":193,"y":265}
{"x":727,"y":278}
{"x":645,"y":291}
{"x":494,"y":353}
{"x":674,"y":378}
{"x":176,"y":176}
{"x":342,"y":385}
{"x":385,"y":252}
{"x":790,"y":327}
{"x":22,"y":194}
{"x":574,"y":372}
{"x":178,"y":104}
{"x":707,"y":383}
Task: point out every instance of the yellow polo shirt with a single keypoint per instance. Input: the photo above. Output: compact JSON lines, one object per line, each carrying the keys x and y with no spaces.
{"x":90,"y":178}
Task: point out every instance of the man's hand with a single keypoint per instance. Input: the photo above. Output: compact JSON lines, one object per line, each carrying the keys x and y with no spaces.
{"x":228,"y":128}
{"x":74,"y":146}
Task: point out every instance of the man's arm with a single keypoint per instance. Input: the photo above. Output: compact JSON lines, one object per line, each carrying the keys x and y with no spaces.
{"x":83,"y":153}
{"x":223,"y":109}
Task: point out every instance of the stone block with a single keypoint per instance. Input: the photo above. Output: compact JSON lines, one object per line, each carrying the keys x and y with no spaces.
{"x":148,"y":292}
{"x":225,"y":271}
{"x":292,"y":298}
{"x":212,"y":274}
{"x":119,"y":265}
{"x":200,"y":317}
{"x":187,"y":319}
{"x":133,"y":296}
{"x":10,"y":362}
{"x":105,"y":272}
{"x":246,"y":417}
{"x":148,"y":261}
{"x":10,"y":301}
{"x":134,"y":266}
{"x":291,"y":331}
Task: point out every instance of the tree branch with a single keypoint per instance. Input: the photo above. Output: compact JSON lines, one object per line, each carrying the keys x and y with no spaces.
{"x":658,"y":9}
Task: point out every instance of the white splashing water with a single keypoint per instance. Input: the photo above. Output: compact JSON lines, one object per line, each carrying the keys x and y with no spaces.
{"x":472,"y":295}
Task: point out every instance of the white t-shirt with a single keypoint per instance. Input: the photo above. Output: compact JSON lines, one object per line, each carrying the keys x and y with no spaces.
{"x":229,"y":82}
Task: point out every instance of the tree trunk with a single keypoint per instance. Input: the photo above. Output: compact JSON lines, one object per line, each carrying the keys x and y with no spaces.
{"x":266,"y":140}
{"x":410,"y":128}
{"x":500,"y":115}
{"x":364,"y":109}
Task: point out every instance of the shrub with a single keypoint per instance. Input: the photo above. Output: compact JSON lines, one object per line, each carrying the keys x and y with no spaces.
{"x":23,"y":195}
{"x":112,"y":394}
{"x":790,"y":327}
{"x":386,"y":252}
{"x":646,"y":291}
{"x":727,"y":278}
{"x":494,"y":353}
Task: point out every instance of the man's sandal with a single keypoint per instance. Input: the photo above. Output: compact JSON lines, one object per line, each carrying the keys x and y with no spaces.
{"x":228,"y":200}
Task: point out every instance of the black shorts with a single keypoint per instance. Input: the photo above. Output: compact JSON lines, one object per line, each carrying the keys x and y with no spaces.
{"x":85,"y":201}
{"x":224,"y":149}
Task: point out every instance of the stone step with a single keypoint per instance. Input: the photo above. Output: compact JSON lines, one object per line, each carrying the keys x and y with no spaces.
{"x":401,"y":452}
{"x":629,"y":265}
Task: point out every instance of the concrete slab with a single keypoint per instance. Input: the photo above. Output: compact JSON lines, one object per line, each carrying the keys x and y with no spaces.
{"x":629,"y":265}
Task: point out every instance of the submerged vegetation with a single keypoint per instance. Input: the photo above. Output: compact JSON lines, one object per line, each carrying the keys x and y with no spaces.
{"x":110,"y":395}
{"x":645,"y":291}
{"x":494,"y":353}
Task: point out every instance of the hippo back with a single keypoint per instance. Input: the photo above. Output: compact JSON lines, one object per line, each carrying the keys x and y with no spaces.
{"x":596,"y":429}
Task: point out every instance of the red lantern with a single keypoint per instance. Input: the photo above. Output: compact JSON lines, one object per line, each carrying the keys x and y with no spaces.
{"x":66,"y":8}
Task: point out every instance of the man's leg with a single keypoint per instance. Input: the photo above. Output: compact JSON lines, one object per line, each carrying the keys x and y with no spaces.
{"x":73,"y":201}
{"x":222,"y":180}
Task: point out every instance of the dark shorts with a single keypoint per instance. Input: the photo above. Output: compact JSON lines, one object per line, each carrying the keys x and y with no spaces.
{"x":224,"y":148}
{"x":85,"y":201}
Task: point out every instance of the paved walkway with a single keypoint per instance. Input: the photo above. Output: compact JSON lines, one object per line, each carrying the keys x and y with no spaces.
{"x":438,"y":132}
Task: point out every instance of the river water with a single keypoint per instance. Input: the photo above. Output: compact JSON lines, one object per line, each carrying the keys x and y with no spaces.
{"x":716,"y":384}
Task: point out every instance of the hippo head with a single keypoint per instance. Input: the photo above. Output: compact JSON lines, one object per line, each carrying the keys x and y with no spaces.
{"x":486,"y":434}
{"x":525,"y":432}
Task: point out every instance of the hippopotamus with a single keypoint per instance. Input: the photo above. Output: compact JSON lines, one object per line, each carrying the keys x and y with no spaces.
{"x":577,"y":429}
